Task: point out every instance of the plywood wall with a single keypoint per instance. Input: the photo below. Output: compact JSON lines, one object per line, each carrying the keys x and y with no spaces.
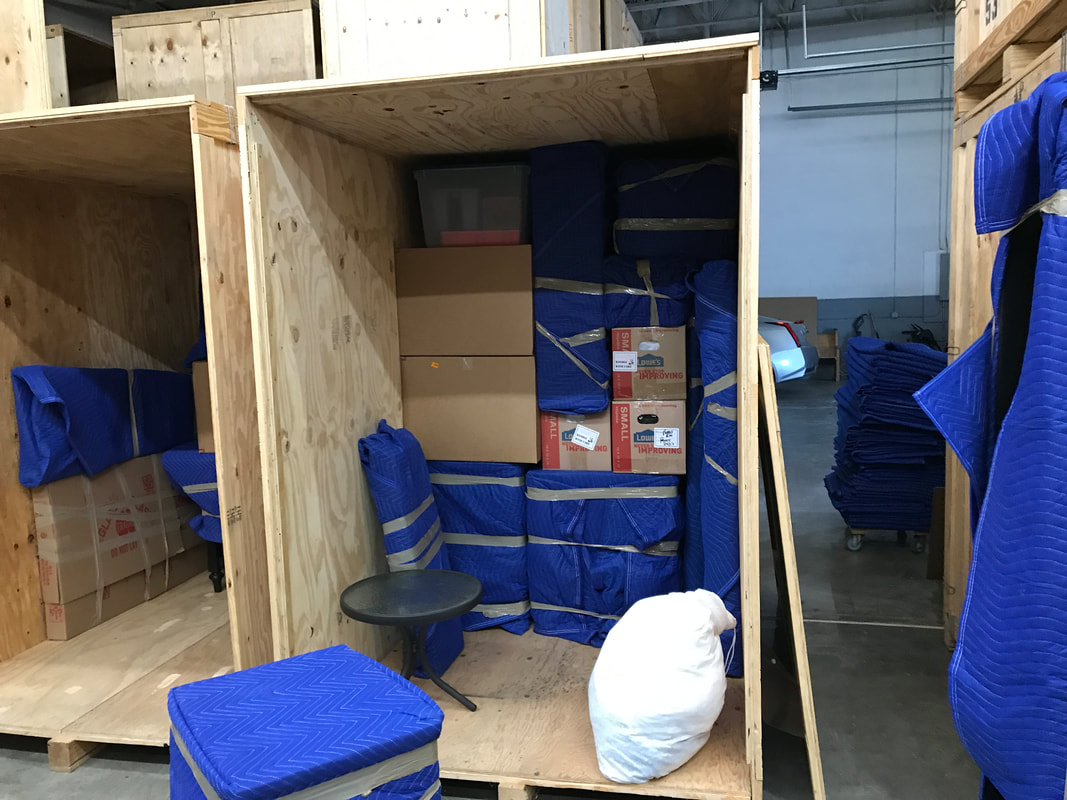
{"x":93,"y":277}
{"x":24,"y":82}
{"x":324,"y":224}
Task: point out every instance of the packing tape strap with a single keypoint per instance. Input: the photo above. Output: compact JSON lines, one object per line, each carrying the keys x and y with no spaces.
{"x":576,"y":361}
{"x":684,"y":169}
{"x":721,"y":384}
{"x":564,"y":285}
{"x":676,"y":224}
{"x":94,"y":528}
{"x":603,"y":493}
{"x":644,"y":272}
{"x":484,"y":540}
{"x":547,"y":607}
{"x":197,"y":488}
{"x":718,"y":468}
{"x":1055,"y":204}
{"x":163,"y":528}
{"x":354,"y":784}
{"x":586,"y":337}
{"x":135,"y":440}
{"x":138,"y":534}
{"x":414,"y":552}
{"x":398,"y":524}
{"x":658,"y":549}
{"x":497,"y":610}
{"x":448,"y":479}
{"x":726,"y":412}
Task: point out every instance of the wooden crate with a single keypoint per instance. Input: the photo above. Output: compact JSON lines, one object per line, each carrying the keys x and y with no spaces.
{"x":209,"y":52}
{"x":619,"y":27}
{"x":375,"y":39}
{"x":113,"y":219}
{"x":330,"y":199}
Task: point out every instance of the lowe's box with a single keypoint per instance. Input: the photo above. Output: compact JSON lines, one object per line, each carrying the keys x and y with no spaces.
{"x":648,"y":436}
{"x":576,"y":441}
{"x":648,"y":363}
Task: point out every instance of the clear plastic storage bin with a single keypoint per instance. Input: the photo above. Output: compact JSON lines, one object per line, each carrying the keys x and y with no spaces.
{"x":484,"y":205}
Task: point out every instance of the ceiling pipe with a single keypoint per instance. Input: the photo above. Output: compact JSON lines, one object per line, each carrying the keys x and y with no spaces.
{"x":867,"y":65}
{"x":807,"y":54}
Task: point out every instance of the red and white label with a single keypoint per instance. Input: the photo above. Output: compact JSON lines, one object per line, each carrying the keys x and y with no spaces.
{"x":621,"y":459}
{"x":549,"y":441}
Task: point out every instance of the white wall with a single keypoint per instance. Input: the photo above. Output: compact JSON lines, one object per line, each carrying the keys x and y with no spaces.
{"x":853,"y":200}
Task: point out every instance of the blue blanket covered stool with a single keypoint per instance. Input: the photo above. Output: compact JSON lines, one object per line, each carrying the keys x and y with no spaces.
{"x":329,"y":724}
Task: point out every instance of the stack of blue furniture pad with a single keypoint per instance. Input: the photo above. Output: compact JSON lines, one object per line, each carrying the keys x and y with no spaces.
{"x":889,"y":455}
{"x":194,"y":474}
{"x":642,"y":292}
{"x":483,"y":520}
{"x":332,"y":723}
{"x":598,"y":543}
{"x":400,"y":485}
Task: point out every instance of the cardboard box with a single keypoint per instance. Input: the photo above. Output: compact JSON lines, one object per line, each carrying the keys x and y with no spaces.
{"x":205,"y":432}
{"x":580,"y":442}
{"x":66,"y":620}
{"x":93,"y":532}
{"x":465,"y":301}
{"x":474,"y":408}
{"x":648,"y":363}
{"x":642,"y":432}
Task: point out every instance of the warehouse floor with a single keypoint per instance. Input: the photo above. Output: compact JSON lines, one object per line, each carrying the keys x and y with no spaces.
{"x":874,"y":641}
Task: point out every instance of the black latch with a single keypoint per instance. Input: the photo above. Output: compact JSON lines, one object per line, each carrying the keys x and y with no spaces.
{"x":768,"y":80}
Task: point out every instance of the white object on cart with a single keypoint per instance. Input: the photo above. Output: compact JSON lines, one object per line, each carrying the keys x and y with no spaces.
{"x":658,"y":685}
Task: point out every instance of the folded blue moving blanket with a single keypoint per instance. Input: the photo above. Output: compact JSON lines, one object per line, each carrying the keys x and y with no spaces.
{"x":74,"y":421}
{"x":483,"y":517}
{"x":400,"y":485}
{"x":641,"y":292}
{"x":677,"y":207}
{"x":194,"y":474}
{"x":598,"y":543}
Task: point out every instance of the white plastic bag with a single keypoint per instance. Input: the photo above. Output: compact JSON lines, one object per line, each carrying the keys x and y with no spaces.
{"x":658,"y":685}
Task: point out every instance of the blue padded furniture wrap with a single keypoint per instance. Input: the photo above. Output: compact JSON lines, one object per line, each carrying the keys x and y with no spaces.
{"x":74,"y":421}
{"x":193,"y":473}
{"x":591,"y":556}
{"x":198,"y":352}
{"x":677,"y":207}
{"x":714,"y":563}
{"x":627,"y":298}
{"x":1001,"y":407}
{"x":400,"y":485}
{"x":569,"y":223}
{"x":278,"y":729}
{"x":693,"y":543}
{"x":483,"y":517}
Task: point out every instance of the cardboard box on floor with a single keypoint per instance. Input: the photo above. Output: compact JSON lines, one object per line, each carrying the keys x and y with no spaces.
{"x":648,"y":363}
{"x":581,"y":442}
{"x":477,"y":408}
{"x":205,"y":431}
{"x":465,"y":301}
{"x":648,"y":436}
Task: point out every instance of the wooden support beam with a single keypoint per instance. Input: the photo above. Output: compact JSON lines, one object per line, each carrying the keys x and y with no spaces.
{"x":66,"y":754}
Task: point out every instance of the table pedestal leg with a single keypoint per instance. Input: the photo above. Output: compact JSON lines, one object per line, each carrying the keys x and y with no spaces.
{"x":409,"y":652}
{"x":420,"y":645}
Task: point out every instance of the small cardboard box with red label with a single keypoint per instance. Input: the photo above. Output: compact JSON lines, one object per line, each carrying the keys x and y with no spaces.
{"x":581,"y":442}
{"x":648,"y":436}
{"x":648,"y":363}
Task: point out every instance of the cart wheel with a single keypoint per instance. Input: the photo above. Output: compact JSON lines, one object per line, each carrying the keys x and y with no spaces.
{"x":854,"y":541}
{"x":902,"y":538}
{"x":919,"y":545}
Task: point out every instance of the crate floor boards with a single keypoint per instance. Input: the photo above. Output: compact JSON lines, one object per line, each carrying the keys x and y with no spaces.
{"x":110,"y":684}
{"x":532,"y":730}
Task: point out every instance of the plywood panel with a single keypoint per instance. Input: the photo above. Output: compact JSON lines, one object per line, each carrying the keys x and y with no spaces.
{"x":57,"y":66}
{"x":1028,"y":22}
{"x":91,"y":277}
{"x":271,"y":47}
{"x":224,"y":276}
{"x":164,"y":61}
{"x":620,"y":30}
{"x":326,"y":217}
{"x":24,"y":81}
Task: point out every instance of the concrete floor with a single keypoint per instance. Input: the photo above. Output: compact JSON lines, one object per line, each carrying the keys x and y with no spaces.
{"x":874,"y":641}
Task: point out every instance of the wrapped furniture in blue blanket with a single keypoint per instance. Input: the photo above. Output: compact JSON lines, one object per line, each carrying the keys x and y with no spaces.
{"x":483,"y":519}
{"x":400,"y":485}
{"x":598,"y":543}
{"x":889,"y":456}
{"x":569,"y":232}
{"x":74,"y":421}
{"x":328,"y":724}
{"x":1001,"y":407}
{"x":194,"y":473}
{"x":677,"y":207}
{"x":641,"y":292}
{"x":713,"y":556}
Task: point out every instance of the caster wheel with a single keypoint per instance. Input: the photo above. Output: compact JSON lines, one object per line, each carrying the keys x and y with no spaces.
{"x":919,"y":545}
{"x":217,"y":581}
{"x":902,"y":538}
{"x":854,"y":541}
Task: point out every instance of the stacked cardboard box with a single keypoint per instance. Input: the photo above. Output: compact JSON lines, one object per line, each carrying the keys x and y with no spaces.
{"x":110,"y":542}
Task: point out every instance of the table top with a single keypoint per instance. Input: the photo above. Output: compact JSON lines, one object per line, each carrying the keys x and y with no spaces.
{"x":411,"y":597}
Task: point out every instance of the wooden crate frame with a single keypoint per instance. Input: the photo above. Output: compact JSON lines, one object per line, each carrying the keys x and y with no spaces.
{"x":328,"y":193}
{"x":107,"y":213}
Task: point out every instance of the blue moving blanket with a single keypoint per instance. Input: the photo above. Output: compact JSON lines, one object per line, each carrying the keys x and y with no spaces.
{"x":677,"y":207}
{"x":74,"y":421}
{"x":642,"y":293}
{"x":194,"y":474}
{"x":569,"y":222}
{"x":483,"y":519}
{"x":598,"y":543}
{"x":1001,"y":406}
{"x":400,"y":485}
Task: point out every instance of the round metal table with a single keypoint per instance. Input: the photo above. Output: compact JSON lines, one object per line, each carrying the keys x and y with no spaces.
{"x":413,"y":600}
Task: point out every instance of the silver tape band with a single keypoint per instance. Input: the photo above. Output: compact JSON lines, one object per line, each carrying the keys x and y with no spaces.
{"x":484,"y":540}
{"x":497,"y":610}
{"x":398,"y":524}
{"x":573,"y":358}
{"x":644,"y":272}
{"x":659,"y":549}
{"x":448,"y":479}
{"x":133,"y":415}
{"x":563,"y":285}
{"x":1055,"y":204}
{"x":726,"y":412}
{"x":725,"y":382}
{"x":587,"y":337}
{"x":564,"y":609}
{"x":694,"y":383}
{"x":602,"y":493}
{"x":196,"y":488}
{"x":715,"y":466}
{"x":685,"y":169}
{"x":412,"y":553}
{"x":673,"y":224}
